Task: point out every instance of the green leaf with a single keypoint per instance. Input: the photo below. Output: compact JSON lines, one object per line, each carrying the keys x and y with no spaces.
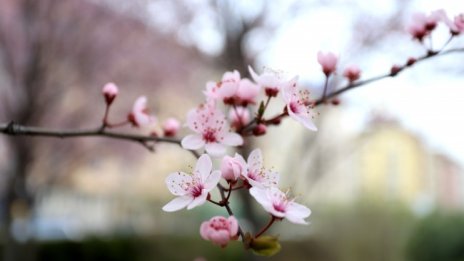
{"x":265,"y":245}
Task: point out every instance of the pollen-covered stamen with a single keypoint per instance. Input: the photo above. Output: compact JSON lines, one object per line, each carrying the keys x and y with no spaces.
{"x":196,"y":190}
{"x":294,"y":107}
{"x":280,"y":202}
{"x":209,"y":135}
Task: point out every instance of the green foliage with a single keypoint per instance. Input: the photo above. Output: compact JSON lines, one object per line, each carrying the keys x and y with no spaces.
{"x":265,"y":245}
{"x":439,"y":236}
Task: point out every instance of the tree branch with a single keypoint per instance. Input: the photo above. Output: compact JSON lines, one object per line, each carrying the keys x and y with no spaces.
{"x":390,"y":74}
{"x":15,"y":129}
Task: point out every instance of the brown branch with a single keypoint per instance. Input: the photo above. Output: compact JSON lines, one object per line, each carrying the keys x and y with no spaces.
{"x":15,"y":129}
{"x":390,"y":74}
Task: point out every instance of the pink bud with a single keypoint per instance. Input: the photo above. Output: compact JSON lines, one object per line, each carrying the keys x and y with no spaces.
{"x":459,"y":24}
{"x":233,"y":168}
{"x":220,"y":230}
{"x":328,"y":61}
{"x":170,"y":127}
{"x":247,"y":92}
{"x":352,"y":73}
{"x":239,"y":117}
{"x":110,"y":91}
{"x":395,"y":69}
{"x":259,"y":130}
{"x":139,"y":115}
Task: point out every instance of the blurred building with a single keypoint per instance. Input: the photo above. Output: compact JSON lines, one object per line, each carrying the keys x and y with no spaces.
{"x":386,"y":162}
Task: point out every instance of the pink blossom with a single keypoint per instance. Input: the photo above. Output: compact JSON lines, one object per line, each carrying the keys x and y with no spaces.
{"x":328,"y":61}
{"x":271,"y":81}
{"x":212,"y":131}
{"x":256,"y":175}
{"x":239,"y":117}
{"x":279,"y":205}
{"x":110,"y":91}
{"x":299,"y":107}
{"x":139,"y":115}
{"x":170,"y":127}
{"x":192,"y":190}
{"x":233,"y":168}
{"x":224,"y":89}
{"x":220,"y":230}
{"x":456,"y":26}
{"x":259,"y":129}
{"x":423,"y":24}
{"x":352,"y":73}
{"x":247,"y":92}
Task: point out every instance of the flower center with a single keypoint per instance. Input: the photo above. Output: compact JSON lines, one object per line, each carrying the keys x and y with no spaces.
{"x":294,"y":107}
{"x":280,"y":206}
{"x":196,"y":190}
{"x":253,"y":176}
{"x":219,"y":224}
{"x":209,"y":136}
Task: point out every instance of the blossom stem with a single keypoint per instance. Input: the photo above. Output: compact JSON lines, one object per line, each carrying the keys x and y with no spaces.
{"x":446,"y":43}
{"x":215,"y":202}
{"x":105,"y":117}
{"x":325,"y":87}
{"x":238,"y":116}
{"x":264,"y":229}
{"x":229,"y":192}
{"x":119,"y":124}
{"x":229,"y":210}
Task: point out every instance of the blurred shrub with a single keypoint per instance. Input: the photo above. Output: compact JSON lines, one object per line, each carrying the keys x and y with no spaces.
{"x":438,"y":237}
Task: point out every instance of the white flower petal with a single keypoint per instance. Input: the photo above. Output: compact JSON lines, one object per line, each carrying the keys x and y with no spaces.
{"x":198,"y":200}
{"x":260,"y":195}
{"x":232,"y":139}
{"x":192,"y":142}
{"x":175,"y":182}
{"x":255,"y":161}
{"x":215,"y":149}
{"x":296,"y":213}
{"x":305,"y":119}
{"x":203,"y":167}
{"x":212,"y":180}
{"x":253,"y":74}
{"x":178,"y":203}
{"x":271,"y":178}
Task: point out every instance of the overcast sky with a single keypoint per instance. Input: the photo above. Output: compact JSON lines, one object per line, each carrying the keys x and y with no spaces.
{"x":427,"y":99}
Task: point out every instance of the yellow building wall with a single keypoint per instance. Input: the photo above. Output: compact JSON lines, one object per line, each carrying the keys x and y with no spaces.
{"x":392,"y":165}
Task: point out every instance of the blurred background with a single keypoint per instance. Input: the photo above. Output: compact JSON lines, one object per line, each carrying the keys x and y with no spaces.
{"x":383,"y":175}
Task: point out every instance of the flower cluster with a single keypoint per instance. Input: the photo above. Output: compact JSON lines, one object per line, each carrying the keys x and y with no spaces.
{"x":139,"y":116}
{"x":236,"y":107}
{"x":192,"y":190}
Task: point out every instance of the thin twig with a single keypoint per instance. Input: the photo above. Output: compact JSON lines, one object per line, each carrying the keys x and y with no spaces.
{"x":15,"y":129}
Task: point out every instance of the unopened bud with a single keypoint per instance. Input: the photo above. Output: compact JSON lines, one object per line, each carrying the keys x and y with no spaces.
{"x":395,"y":69}
{"x":170,"y":127}
{"x":110,"y":91}
{"x":411,"y":61}
{"x":335,"y":101}
{"x":259,"y":130}
{"x":271,"y":92}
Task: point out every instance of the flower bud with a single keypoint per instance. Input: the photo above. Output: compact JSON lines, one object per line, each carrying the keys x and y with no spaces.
{"x":170,"y":127}
{"x":220,"y":230}
{"x":110,"y":91}
{"x":259,"y":130}
{"x":139,"y":116}
{"x":328,"y":61}
{"x":233,"y":168}
{"x":395,"y":69}
{"x":352,"y":73}
{"x":239,"y":117}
